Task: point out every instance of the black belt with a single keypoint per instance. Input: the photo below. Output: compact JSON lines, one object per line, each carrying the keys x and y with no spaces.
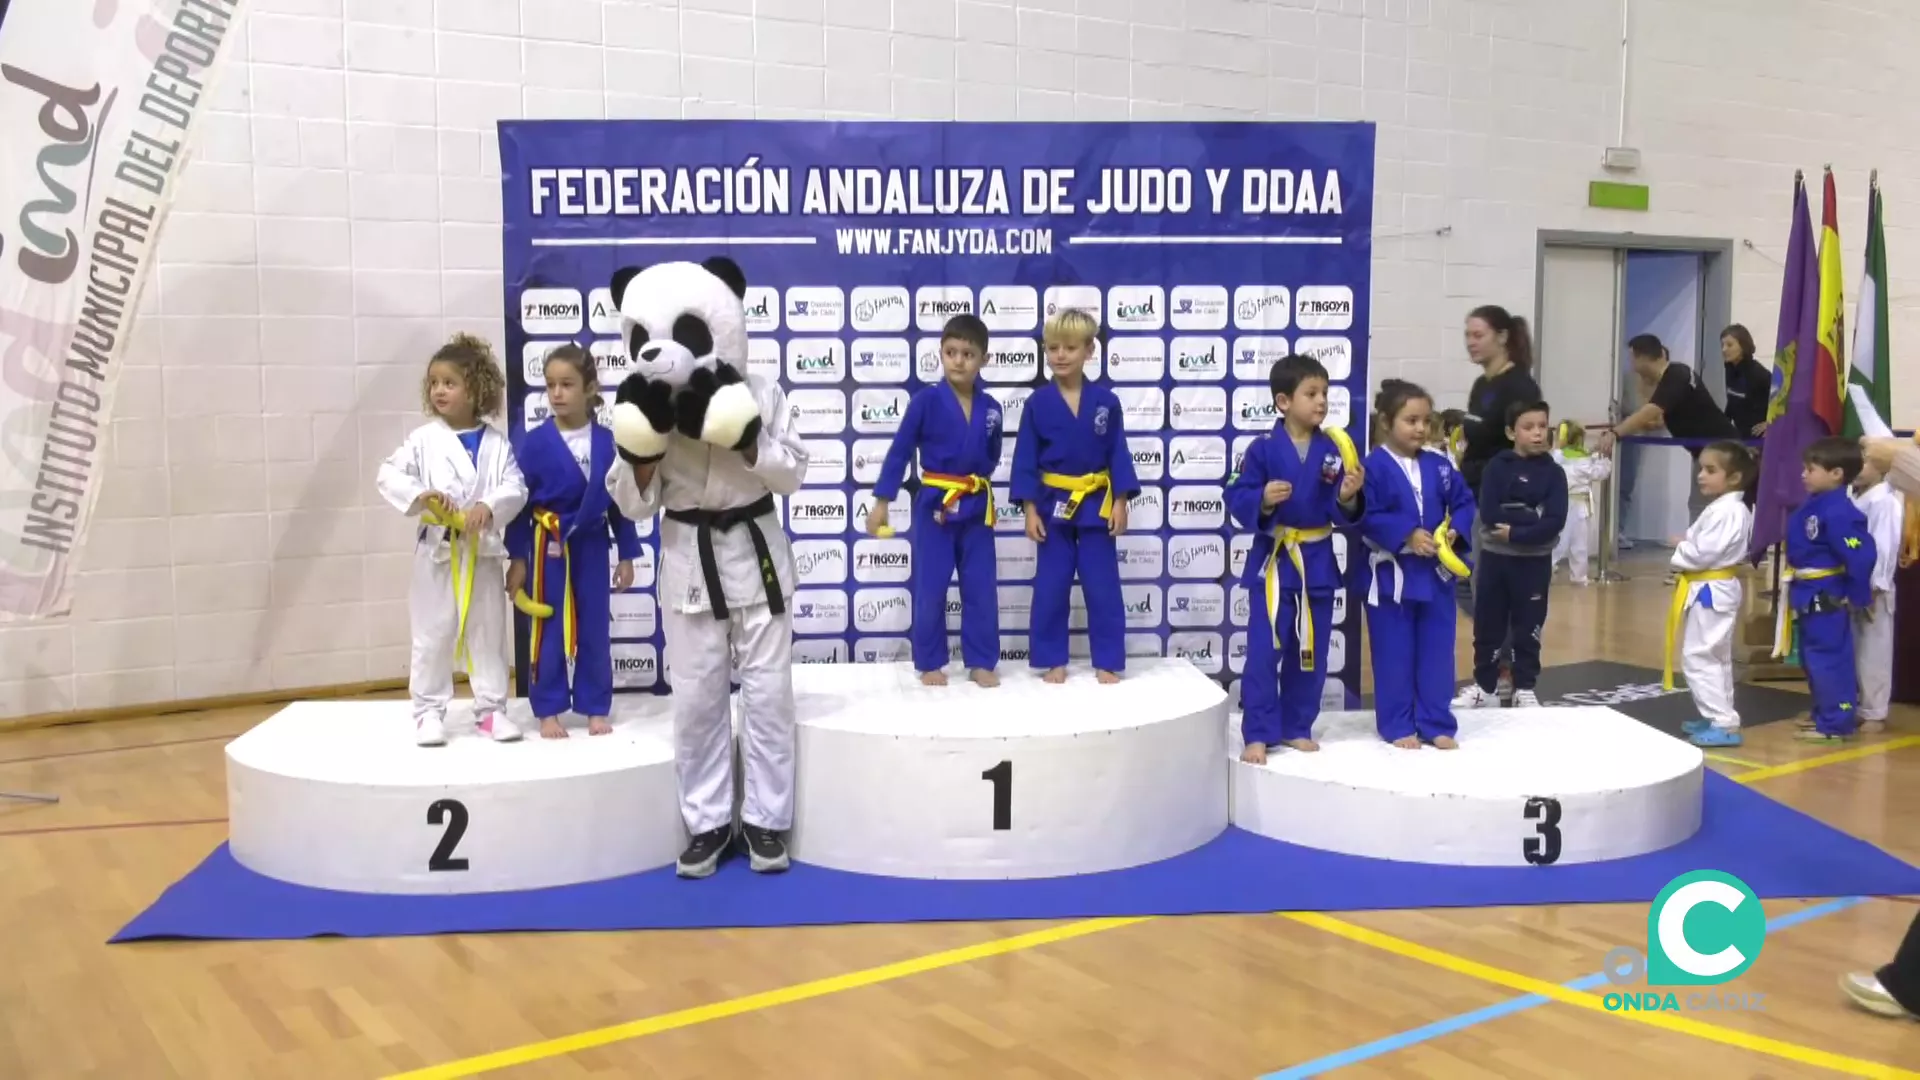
{"x":705,"y":521}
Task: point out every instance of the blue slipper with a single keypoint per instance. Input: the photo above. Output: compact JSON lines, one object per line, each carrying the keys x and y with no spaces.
{"x":1714,"y":736}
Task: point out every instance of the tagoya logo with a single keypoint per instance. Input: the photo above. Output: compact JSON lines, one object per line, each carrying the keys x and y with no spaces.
{"x":550,"y":311}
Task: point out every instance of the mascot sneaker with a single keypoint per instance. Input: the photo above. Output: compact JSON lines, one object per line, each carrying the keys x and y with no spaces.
{"x":497,"y":725}
{"x":766,"y":853}
{"x":430,"y":731}
{"x":703,"y":856}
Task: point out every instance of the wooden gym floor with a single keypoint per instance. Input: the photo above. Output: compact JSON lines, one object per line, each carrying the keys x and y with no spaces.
{"x":1364,"y":994}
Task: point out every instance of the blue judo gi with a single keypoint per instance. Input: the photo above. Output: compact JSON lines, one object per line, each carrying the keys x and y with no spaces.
{"x":958,"y":454}
{"x":563,"y":534}
{"x":1072,"y":466}
{"x":1291,"y":561}
{"x":1830,"y":552}
{"x":1410,"y":615}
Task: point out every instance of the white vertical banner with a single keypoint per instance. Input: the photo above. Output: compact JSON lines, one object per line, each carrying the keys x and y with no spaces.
{"x":97,"y":104}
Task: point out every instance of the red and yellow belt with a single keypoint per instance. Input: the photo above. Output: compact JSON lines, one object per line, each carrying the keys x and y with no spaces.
{"x":546,"y":529}
{"x":958,"y":487}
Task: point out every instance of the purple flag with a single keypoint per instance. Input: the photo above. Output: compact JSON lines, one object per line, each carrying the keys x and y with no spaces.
{"x":1793,"y":425}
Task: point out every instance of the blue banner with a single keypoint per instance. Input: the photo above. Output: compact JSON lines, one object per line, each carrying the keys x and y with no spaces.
{"x":1207,"y":252}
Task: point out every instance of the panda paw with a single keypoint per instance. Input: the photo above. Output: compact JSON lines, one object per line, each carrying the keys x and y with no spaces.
{"x":643,"y":419}
{"x":718,"y":408}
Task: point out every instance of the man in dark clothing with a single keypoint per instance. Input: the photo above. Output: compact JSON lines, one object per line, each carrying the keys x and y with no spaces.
{"x":1678,"y":402}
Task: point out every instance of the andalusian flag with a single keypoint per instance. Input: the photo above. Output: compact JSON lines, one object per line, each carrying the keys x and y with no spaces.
{"x":1870,"y":378}
{"x":1830,"y":365}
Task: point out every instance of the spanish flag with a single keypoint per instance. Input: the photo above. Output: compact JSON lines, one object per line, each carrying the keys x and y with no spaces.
{"x":1830,"y":365}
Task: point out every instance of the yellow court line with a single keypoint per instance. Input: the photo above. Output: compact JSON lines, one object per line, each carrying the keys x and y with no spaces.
{"x":786,"y":995}
{"x":1459,"y":965}
{"x":1835,"y":758}
{"x":1742,"y":762}
{"x":635,"y":1029}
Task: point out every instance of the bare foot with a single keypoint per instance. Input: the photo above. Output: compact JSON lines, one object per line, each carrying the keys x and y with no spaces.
{"x":933,"y":678}
{"x":598,"y":726}
{"x":1055,"y":675}
{"x":1254,"y":754}
{"x":983,"y":677}
{"x":550,"y":728}
{"x":1107,"y":678}
{"x":1408,"y":742}
{"x":1304,"y":745}
{"x":1445,"y":742}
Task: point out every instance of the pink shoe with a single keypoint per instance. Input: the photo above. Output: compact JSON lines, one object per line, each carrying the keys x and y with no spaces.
{"x":497,"y":726}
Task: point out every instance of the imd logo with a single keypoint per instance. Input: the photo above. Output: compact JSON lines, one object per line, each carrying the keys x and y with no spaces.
{"x":1704,"y":929}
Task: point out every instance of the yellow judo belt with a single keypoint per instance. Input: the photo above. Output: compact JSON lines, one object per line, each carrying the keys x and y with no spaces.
{"x":1677,"y":611}
{"x":958,"y":486}
{"x":1783,"y":623}
{"x":464,"y":547}
{"x":1079,"y":487}
{"x":546,"y":528}
{"x":1290,"y":541}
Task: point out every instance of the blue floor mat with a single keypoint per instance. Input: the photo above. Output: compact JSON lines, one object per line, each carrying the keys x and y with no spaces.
{"x":1776,"y":850}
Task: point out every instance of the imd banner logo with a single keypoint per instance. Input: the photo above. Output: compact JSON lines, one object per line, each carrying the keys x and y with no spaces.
{"x":1704,"y":929}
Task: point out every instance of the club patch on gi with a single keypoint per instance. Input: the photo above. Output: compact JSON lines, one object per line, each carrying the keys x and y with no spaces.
{"x":1813,"y":528}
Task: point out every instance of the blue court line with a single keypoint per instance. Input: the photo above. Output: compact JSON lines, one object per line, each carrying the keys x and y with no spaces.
{"x":1416,"y":1036}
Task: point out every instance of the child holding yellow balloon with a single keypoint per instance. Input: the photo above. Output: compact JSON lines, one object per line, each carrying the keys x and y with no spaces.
{"x":1291,"y":487}
{"x":1416,"y":504}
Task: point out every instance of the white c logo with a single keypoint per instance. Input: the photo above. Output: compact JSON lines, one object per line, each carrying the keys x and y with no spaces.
{"x":1673,"y":921}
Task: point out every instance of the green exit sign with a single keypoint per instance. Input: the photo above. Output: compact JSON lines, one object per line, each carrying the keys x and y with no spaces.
{"x":1610,"y":195}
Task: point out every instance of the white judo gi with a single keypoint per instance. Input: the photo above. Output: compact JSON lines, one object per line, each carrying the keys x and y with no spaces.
{"x":433,"y":459}
{"x":1717,"y":539}
{"x":1886,"y":511}
{"x":752,"y":638}
{"x":1584,"y":474}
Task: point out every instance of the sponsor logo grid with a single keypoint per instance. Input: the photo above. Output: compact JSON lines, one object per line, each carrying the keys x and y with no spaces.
{"x":850,"y":345}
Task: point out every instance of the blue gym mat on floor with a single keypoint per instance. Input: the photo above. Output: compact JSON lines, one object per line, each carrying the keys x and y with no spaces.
{"x":1776,"y":850}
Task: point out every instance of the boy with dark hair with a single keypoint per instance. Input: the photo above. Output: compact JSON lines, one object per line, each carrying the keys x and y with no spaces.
{"x":956,"y":434}
{"x":1830,"y":557}
{"x":1523,"y":507}
{"x":1290,"y":486}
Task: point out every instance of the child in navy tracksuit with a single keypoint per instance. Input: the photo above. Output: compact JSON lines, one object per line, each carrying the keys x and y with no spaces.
{"x":1523,"y":507}
{"x":1830,"y":557}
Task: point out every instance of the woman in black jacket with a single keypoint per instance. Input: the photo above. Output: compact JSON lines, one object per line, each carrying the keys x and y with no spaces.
{"x":1497,"y":341}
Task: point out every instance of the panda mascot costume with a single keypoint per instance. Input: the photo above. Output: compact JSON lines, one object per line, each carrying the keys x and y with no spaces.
{"x":709,"y":446}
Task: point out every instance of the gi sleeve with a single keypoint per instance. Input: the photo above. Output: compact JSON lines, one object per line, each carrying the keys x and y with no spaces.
{"x":629,"y":497}
{"x":1024,"y":486}
{"x":900,"y":452}
{"x":1849,"y":539}
{"x":780,"y":458}
{"x":1247,"y":490}
{"x":1120,"y":474}
{"x":1388,"y":521}
{"x":398,"y":480}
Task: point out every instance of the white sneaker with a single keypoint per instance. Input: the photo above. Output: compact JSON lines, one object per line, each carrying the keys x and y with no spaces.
{"x":497,"y":725}
{"x":1473,"y":698}
{"x":430,"y":731}
{"x":1525,"y":699}
{"x":1865,"y":991}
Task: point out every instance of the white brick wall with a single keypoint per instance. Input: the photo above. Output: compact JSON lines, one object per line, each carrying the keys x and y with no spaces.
{"x":341,"y":218}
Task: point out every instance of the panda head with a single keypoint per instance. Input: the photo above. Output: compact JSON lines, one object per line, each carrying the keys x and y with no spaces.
{"x":679,"y":316}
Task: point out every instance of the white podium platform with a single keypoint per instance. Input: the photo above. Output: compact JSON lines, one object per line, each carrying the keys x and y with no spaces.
{"x":1548,"y":786}
{"x":335,"y":795}
{"x":1026,"y":780}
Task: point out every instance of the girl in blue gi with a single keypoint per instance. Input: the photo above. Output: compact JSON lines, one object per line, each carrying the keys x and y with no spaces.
{"x":563,"y":534}
{"x":1414,"y":500}
{"x":957,"y":435}
{"x":1073,"y":474}
{"x":1830,"y":557}
{"x":1290,"y":486}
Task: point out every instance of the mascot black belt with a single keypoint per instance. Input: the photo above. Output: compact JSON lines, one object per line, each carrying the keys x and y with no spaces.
{"x":705,"y":521}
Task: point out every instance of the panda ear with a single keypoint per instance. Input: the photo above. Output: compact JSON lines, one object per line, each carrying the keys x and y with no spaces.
{"x":621,"y":278}
{"x":728,"y":271}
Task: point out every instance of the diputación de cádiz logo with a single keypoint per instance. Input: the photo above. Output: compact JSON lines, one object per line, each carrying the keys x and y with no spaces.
{"x":1704,"y":929}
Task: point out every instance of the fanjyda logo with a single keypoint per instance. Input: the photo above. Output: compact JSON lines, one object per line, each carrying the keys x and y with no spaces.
{"x":1704,"y":929}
